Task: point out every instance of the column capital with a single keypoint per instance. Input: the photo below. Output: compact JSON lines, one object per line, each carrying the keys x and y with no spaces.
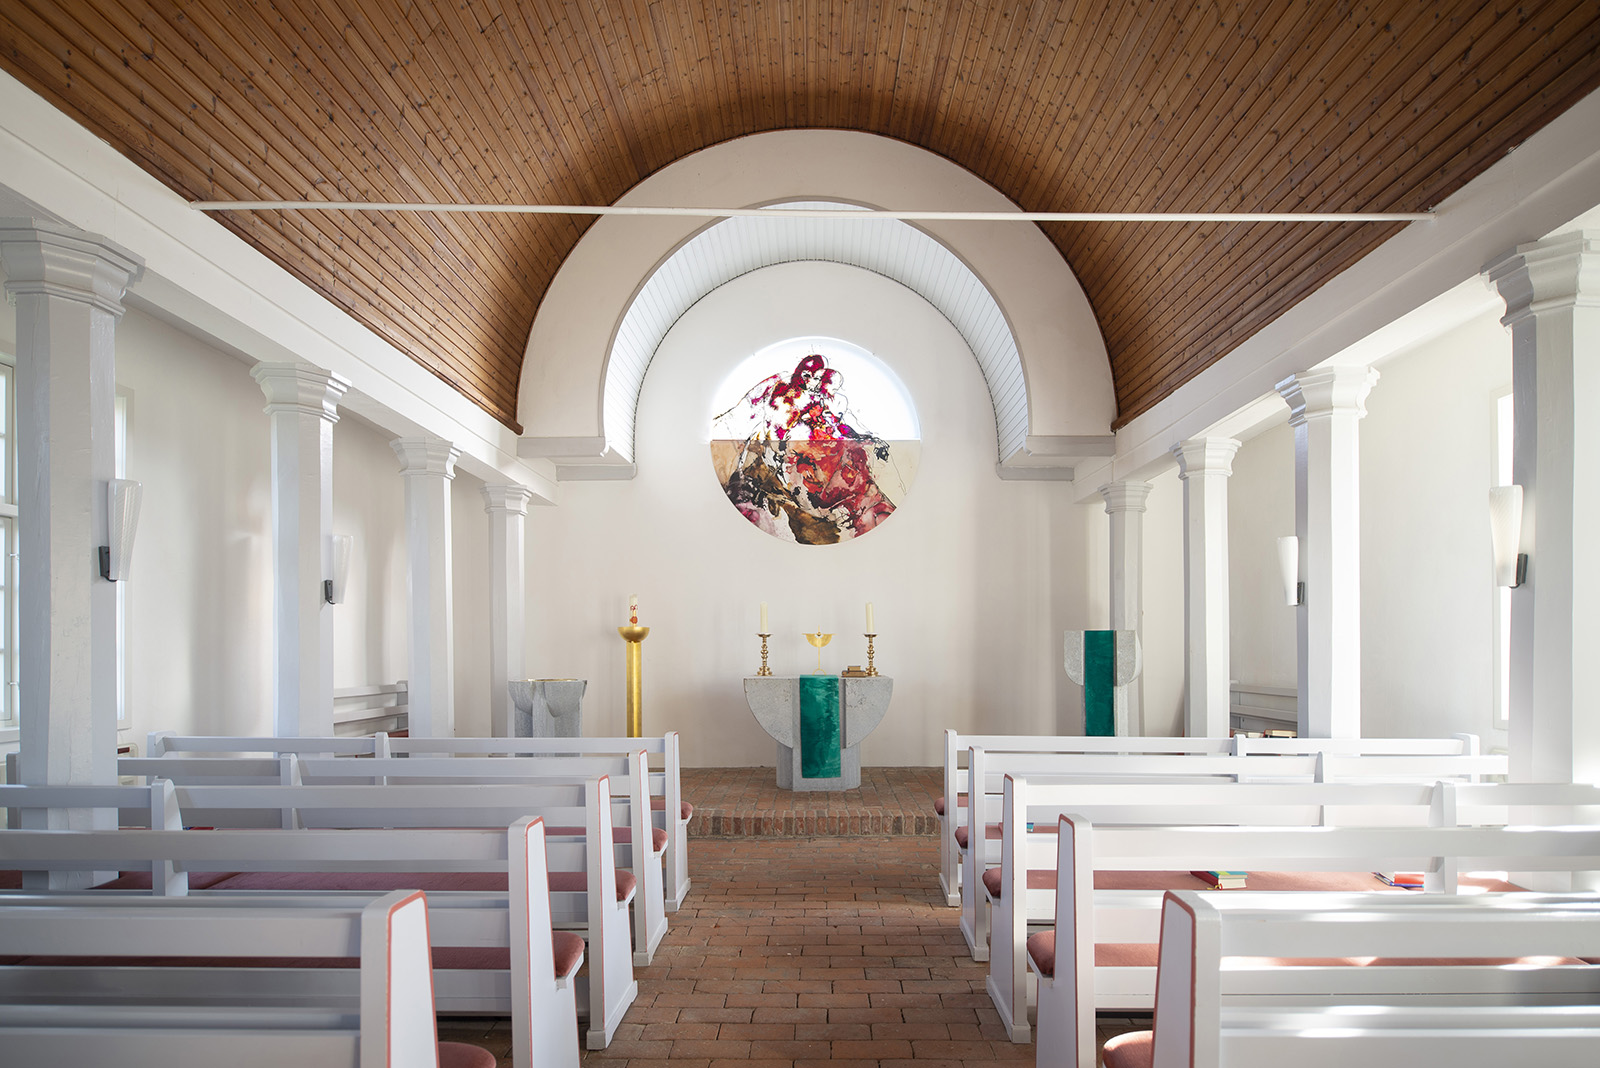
{"x":1327,"y":391}
{"x":56,"y":260}
{"x":426,"y":456}
{"x":1205,"y":456}
{"x":1561,"y":271}
{"x":507,"y":498}
{"x":1127,"y":495}
{"x":300,"y":387}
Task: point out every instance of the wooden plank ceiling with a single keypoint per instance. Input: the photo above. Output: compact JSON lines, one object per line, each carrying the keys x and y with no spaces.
{"x":1064,"y":105}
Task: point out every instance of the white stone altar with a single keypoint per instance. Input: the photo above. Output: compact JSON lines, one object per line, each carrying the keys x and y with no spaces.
{"x":775,"y":702}
{"x":547,"y":708}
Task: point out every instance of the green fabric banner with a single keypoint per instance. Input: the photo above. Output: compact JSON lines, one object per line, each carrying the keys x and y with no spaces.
{"x":1100,"y":682}
{"x":820,"y":748}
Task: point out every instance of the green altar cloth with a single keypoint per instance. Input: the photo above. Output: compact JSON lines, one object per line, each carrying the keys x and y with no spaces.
{"x":1099,"y":683}
{"x":821,"y":735}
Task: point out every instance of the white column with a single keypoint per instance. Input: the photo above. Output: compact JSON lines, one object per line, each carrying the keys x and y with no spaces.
{"x":68,"y":288}
{"x":1325,"y":408}
{"x":428,"y":465}
{"x":1552,"y":294}
{"x":1204,"y":465}
{"x":1125,"y":504}
{"x":508,"y":606}
{"x":303,"y":405}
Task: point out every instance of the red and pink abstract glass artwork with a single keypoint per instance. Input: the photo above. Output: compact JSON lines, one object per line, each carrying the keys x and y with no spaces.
{"x":798,"y":463}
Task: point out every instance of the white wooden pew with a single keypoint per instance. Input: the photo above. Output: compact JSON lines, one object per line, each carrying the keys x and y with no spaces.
{"x":666,"y":783}
{"x":1085,"y":916}
{"x":1014,"y":903}
{"x":600,"y":915}
{"x":950,"y":807}
{"x":989,"y":772}
{"x":956,"y":746}
{"x":389,"y":1023}
{"x":1219,"y":1003}
{"x":628,"y":773}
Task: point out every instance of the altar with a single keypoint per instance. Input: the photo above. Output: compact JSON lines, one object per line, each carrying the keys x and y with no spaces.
{"x":819,"y":722}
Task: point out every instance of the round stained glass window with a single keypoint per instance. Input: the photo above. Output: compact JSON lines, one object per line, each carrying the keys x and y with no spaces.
{"x":814,"y":440}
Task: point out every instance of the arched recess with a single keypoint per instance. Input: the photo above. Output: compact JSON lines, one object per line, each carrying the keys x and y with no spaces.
{"x":1003,"y":285}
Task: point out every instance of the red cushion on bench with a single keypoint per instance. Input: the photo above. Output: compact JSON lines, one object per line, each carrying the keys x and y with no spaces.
{"x":1131,"y":1049}
{"x":1038,"y":879}
{"x":1042,"y":951}
{"x":685,"y":810}
{"x":991,"y":831}
{"x":372,"y":880}
{"x":938,"y":803}
{"x":572,"y":881}
{"x":569,"y":952}
{"x":461,"y":1055}
{"x":140,"y":880}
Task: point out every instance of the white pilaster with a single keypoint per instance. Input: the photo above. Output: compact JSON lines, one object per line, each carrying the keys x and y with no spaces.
{"x":428,"y":465}
{"x":303,"y":405}
{"x":68,"y":288}
{"x":1204,"y":465}
{"x":1325,"y":408}
{"x":1552,"y":294}
{"x":1125,"y":504}
{"x":508,"y":607}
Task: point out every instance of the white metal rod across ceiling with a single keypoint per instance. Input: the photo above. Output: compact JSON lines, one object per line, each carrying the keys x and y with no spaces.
{"x":823,"y":213}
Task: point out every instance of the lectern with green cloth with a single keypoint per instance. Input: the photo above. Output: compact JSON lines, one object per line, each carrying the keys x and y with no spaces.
{"x":1103,"y":662}
{"x":818,"y":722}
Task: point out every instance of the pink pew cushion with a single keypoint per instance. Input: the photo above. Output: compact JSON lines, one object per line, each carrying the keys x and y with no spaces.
{"x":1132,"y":1049}
{"x":461,"y":1055}
{"x":569,"y":952}
{"x":570,"y":881}
{"x":938,"y":803}
{"x":685,"y":810}
{"x":990,"y":831}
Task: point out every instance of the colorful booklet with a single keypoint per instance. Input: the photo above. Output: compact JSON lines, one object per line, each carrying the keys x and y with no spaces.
{"x":1221,"y":880}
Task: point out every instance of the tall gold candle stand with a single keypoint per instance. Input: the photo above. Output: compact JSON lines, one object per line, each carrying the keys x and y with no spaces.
{"x":635,"y":635}
{"x":870,"y":669}
{"x":764,"y":669}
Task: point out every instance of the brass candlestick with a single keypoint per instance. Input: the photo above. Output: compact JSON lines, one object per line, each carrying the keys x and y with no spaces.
{"x":764,"y":669}
{"x":870,"y":669}
{"x":635,"y":636}
{"x":818,"y":640}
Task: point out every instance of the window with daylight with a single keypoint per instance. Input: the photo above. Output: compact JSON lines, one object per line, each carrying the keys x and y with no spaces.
{"x":1500,"y":475}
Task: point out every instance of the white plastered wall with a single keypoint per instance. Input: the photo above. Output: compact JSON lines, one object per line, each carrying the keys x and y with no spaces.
{"x":200,"y":628}
{"x":1426,"y":641}
{"x":1063,"y":354}
{"x":973,"y":579}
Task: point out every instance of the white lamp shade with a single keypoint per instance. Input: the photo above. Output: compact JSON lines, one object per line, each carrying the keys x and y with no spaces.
{"x":1505,"y":532}
{"x":122,"y":520}
{"x":339,"y":564}
{"x":1289,"y":567}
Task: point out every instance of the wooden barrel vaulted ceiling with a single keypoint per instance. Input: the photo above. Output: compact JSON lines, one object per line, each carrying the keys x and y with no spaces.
{"x":1093,"y":105}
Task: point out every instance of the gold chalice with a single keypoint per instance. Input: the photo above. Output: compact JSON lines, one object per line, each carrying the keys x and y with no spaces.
{"x":818,"y":640}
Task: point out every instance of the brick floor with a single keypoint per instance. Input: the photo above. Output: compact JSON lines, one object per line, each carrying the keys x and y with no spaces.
{"x":746,"y":802}
{"x":796,"y":952}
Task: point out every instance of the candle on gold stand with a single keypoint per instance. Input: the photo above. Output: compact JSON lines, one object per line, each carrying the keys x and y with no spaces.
{"x":871,"y":671}
{"x":764,"y":670}
{"x":635,"y":635}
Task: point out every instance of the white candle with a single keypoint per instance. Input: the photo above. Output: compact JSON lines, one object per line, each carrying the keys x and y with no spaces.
{"x":764,"y":628}
{"x":870,"y":629}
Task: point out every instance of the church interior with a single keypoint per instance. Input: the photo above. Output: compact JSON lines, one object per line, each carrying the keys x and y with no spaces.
{"x":824,"y":394}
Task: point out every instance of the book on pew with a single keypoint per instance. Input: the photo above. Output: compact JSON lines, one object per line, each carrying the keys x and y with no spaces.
{"x":1221,"y":880}
{"x":1406,"y":880}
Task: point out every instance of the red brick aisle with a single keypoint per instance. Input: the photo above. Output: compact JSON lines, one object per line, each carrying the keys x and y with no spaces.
{"x":805,"y":952}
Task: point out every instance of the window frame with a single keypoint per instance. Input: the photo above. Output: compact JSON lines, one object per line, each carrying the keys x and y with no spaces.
{"x":1501,"y":414}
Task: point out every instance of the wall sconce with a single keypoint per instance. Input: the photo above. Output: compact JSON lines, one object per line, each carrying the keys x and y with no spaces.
{"x":1294,"y":591}
{"x":339,"y":546}
{"x":1505,"y":532}
{"x":122,"y":518}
